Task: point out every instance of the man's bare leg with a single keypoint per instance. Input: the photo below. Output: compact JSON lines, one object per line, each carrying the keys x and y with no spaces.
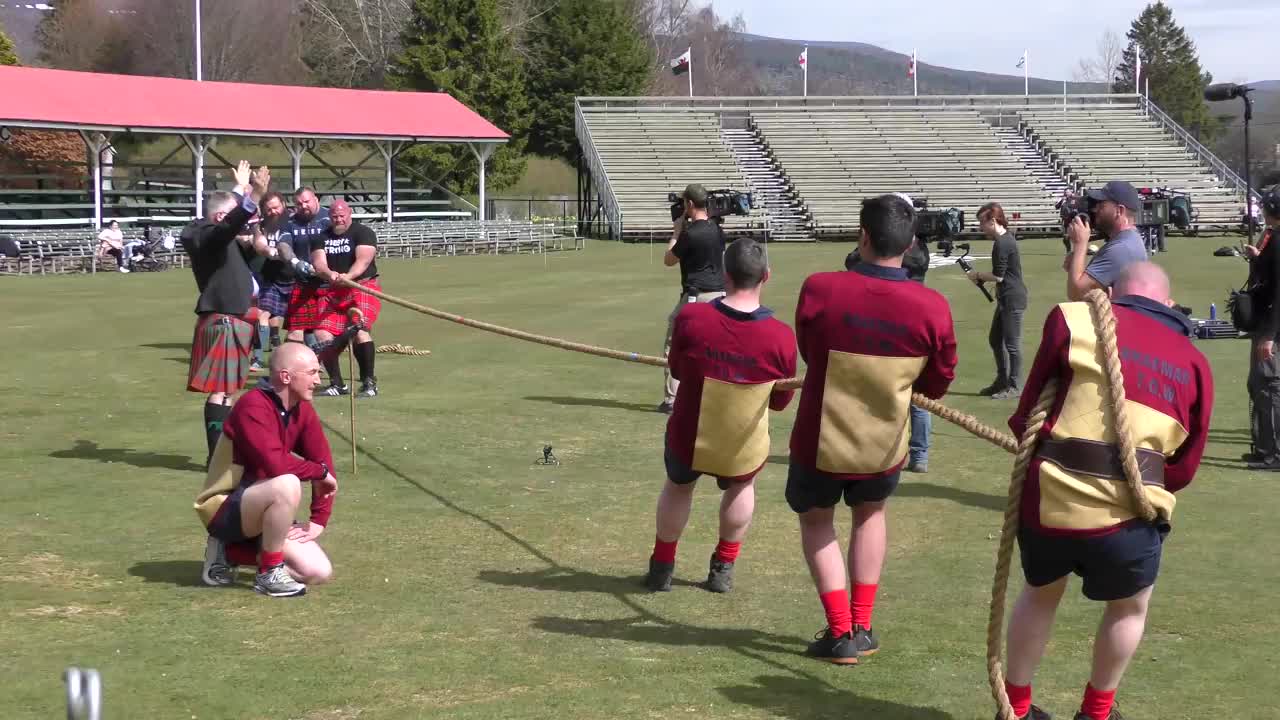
{"x":1030,"y":627}
{"x":307,"y":562}
{"x":867,"y":545}
{"x":267,"y":509}
{"x":1119,"y":634}
{"x":674,"y":504}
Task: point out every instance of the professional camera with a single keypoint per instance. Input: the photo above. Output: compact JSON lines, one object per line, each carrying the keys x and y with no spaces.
{"x":943,"y":224}
{"x":719,"y":203}
{"x":1074,"y":206}
{"x":1163,"y":206}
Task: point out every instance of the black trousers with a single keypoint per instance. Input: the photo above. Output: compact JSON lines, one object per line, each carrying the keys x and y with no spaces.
{"x":1264,"y":392}
{"x":1006,"y":344}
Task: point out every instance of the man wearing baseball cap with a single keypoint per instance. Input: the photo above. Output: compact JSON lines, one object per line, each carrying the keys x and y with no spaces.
{"x":697,"y":246}
{"x":1115,"y":207}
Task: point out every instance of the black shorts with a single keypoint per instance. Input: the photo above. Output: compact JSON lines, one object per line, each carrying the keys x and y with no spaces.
{"x":680,"y":474}
{"x":808,"y":488}
{"x":226,"y":523}
{"x":1114,"y":566}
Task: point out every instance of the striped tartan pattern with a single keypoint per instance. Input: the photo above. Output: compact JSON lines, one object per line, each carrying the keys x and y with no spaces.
{"x":325,"y":308}
{"x":220,"y":353}
{"x":274,"y":298}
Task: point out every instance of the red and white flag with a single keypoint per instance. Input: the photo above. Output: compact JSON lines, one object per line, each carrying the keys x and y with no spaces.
{"x":911,"y":65}
{"x":804,"y":58}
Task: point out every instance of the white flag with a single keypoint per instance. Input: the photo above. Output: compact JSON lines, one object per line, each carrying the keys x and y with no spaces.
{"x":1137,"y":67}
{"x":804,"y":58}
{"x":1022,"y":61}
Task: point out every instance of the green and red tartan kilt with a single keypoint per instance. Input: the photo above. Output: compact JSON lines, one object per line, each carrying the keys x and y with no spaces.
{"x":325,"y":308}
{"x":220,"y":353}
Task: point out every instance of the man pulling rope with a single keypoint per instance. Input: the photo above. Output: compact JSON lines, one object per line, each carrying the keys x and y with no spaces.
{"x":1109,"y":399}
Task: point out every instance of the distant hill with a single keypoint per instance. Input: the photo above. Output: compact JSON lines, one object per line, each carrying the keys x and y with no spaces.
{"x":854,"y":68}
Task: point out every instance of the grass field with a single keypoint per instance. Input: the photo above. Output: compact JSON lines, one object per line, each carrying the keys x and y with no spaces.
{"x":472,"y":583}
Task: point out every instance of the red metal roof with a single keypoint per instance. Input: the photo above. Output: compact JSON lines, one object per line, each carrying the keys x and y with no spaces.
{"x":36,"y":97}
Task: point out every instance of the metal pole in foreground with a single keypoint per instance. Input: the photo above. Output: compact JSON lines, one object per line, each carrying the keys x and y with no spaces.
{"x":351,"y":372}
{"x":199,"y":46}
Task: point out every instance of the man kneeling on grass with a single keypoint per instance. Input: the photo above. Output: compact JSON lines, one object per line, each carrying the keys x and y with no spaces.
{"x":726,"y":354}
{"x":271,"y":443}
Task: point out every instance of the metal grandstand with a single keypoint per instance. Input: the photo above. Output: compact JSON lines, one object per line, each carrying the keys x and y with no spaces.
{"x":810,"y":160}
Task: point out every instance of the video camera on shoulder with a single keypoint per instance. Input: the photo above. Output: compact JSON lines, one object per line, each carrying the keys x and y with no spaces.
{"x":720,"y":203}
{"x":941,"y":225}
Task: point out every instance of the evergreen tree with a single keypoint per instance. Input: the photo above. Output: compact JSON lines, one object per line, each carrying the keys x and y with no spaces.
{"x":1170,"y":63}
{"x":580,"y":48}
{"x":8,"y":56}
{"x":458,"y":47}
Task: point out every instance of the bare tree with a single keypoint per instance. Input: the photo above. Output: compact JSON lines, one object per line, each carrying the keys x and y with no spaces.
{"x":78,"y":35}
{"x":719,"y":64}
{"x":351,"y":43}
{"x":1101,"y":68}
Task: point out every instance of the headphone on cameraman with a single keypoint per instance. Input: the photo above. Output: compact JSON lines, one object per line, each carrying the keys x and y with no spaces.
{"x":1271,"y":201}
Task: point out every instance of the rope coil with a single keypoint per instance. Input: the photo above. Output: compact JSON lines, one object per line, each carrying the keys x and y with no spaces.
{"x":1114,"y":415}
{"x":398,"y":349}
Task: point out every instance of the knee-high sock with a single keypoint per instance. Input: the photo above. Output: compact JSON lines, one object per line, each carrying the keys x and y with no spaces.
{"x":214,"y":416}
{"x":365,"y":353}
{"x":333,"y":367}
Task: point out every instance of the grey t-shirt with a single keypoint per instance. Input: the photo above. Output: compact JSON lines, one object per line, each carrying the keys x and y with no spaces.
{"x":1117,"y":254}
{"x":1006,"y":263}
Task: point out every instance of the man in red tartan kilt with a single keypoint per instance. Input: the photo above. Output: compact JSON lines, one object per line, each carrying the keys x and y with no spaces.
{"x":347,"y":250}
{"x":221,"y":345}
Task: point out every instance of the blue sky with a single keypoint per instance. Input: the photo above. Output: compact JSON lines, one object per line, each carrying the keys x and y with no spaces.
{"x":1235,"y":38}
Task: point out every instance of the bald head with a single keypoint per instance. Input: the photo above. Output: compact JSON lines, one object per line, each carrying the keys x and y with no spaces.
{"x":295,"y":372}
{"x":1146,"y":279}
{"x":340,"y":215}
{"x":289,"y":355}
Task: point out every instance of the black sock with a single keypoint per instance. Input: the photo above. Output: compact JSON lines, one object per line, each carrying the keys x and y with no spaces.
{"x":333,"y":366}
{"x":365,"y":353}
{"x":275,"y":337}
{"x":214,"y":416}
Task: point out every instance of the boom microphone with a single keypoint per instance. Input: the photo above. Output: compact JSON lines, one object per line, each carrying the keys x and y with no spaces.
{"x":1225,"y":91}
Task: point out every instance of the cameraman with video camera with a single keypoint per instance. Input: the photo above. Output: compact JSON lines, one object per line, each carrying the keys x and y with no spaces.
{"x":697,"y":246}
{"x":1264,"y":363}
{"x":1011,"y":302}
{"x":1112,"y":209}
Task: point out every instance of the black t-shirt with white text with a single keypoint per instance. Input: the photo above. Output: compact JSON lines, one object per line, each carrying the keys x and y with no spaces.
{"x":340,"y":249}
{"x":700,"y":249}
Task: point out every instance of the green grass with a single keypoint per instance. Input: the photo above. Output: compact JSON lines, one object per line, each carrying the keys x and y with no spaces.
{"x":472,"y":583}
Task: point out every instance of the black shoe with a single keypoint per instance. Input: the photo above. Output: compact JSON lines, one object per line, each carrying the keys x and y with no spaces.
{"x":992,"y":389}
{"x":1253,"y":457}
{"x":1034,"y":713}
{"x":833,"y":649}
{"x":865,"y":641}
{"x":720,"y":576}
{"x":659,"y":577}
{"x":1272,"y":465}
{"x":369,"y":388}
{"x":918,"y":466}
{"x":665,"y":408}
{"x":336,"y":390}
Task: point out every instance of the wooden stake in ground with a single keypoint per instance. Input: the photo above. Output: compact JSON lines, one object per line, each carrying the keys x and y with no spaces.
{"x":351,"y":373}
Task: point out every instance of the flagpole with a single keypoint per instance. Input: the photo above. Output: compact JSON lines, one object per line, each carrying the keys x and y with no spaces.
{"x":806,"y":71}
{"x":690,"y":71}
{"x":1137,"y":66}
{"x":915,"y":74}
{"x":1026,"y":73}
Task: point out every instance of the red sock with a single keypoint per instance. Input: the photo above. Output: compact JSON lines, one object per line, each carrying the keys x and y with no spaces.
{"x":663,"y":551}
{"x":836,"y":605}
{"x":728,"y":551}
{"x":242,"y":553}
{"x":1019,"y":698}
{"x":864,"y":601}
{"x":1097,"y":703}
{"x":270,"y":560}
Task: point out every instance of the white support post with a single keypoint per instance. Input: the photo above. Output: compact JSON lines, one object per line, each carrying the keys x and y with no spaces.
{"x":297,"y":147}
{"x":389,"y":150}
{"x":482,"y":155}
{"x":199,"y":145}
{"x":95,"y":144}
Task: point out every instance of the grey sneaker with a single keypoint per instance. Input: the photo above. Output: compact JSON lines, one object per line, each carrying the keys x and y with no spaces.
{"x":277,"y":582}
{"x":1008,"y":393}
{"x":369,"y":388}
{"x":865,"y":641}
{"x":665,"y":407}
{"x":720,"y":576}
{"x":659,"y":577}
{"x":918,"y":466}
{"x":217,"y":572}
